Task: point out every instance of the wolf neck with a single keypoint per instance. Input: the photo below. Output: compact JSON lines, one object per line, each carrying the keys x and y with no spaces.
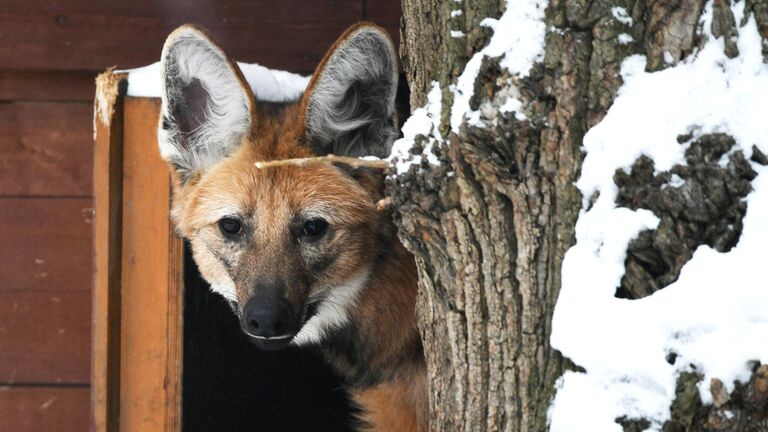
{"x":380,"y":342}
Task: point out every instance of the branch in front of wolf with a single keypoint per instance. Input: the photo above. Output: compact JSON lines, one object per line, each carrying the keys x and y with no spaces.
{"x":353,"y":162}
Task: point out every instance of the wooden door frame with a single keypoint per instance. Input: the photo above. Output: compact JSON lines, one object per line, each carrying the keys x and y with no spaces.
{"x":138,"y":270}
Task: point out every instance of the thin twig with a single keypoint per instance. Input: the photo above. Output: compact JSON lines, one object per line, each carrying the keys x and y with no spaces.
{"x":353,"y":162}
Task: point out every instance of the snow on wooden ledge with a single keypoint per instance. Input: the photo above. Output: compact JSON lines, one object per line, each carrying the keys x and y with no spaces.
{"x":267,"y":84}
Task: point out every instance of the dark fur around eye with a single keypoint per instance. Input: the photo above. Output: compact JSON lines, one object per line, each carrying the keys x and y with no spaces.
{"x":314,"y":228}
{"x":231,"y":227}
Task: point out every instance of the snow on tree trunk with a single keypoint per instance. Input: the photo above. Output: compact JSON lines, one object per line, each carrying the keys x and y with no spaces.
{"x":488,"y":206}
{"x":490,"y":224}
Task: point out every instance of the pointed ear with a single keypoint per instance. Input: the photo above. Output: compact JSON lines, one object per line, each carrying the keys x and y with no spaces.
{"x":349,"y":105}
{"x":207,"y":106}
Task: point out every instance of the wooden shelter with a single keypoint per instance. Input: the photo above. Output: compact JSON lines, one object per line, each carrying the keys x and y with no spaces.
{"x":50,"y":54}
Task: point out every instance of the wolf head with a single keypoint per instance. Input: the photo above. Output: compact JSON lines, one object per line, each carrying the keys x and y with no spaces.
{"x":290,"y":247}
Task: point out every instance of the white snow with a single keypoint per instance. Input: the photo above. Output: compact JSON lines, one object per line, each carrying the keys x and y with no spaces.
{"x":621,"y":15}
{"x":518,"y":39}
{"x":267,"y":84}
{"x":675,"y":181}
{"x":716,"y":314}
{"x":457,"y":34}
{"x":625,"y":39}
{"x":518,"y":36}
{"x":456,"y":12}
{"x":513,"y":104}
{"x":423,"y":121}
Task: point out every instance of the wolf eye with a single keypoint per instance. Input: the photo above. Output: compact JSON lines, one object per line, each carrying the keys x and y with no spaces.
{"x":314,"y":228}
{"x":230,"y":227}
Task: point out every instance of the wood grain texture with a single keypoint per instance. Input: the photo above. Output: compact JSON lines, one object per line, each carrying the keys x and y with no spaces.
{"x":78,"y":35}
{"x":45,"y":336}
{"x":44,"y":409}
{"x":46,"y":86}
{"x":46,"y":148}
{"x":46,"y":244}
{"x":175,"y":332}
{"x":151,"y":336}
{"x":385,"y":13}
{"x":107,"y":247}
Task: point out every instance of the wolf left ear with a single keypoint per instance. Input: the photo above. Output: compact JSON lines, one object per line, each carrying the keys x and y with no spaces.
{"x":350,"y":103}
{"x":207,"y":106}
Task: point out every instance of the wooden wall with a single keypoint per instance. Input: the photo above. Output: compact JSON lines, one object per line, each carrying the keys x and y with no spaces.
{"x":50,"y":53}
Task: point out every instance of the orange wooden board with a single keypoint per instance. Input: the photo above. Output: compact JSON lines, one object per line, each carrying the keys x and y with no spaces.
{"x":150,"y":294}
{"x":45,"y":337}
{"x":80,"y":35}
{"x":44,"y":409}
{"x":46,"y":148}
{"x":46,"y":244}
{"x":107,"y":250}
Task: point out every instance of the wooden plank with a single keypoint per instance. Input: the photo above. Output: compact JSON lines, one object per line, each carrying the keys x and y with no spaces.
{"x":76,"y":35}
{"x":151,"y":298}
{"x":385,"y":13}
{"x":45,"y":336}
{"x":30,"y":85}
{"x":46,"y":244}
{"x":107,"y":235}
{"x":46,"y":148}
{"x":174,"y":333}
{"x":43,"y":409}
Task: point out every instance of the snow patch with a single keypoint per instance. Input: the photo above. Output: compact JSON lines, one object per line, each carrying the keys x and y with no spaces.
{"x":518,"y":38}
{"x":621,"y":343}
{"x":424,"y":121}
{"x":625,"y":39}
{"x":267,"y":84}
{"x":675,"y":181}
{"x":621,"y":15}
{"x":457,"y":34}
{"x":513,"y":104}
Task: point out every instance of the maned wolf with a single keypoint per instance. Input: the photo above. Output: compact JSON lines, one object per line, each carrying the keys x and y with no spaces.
{"x":301,"y":252}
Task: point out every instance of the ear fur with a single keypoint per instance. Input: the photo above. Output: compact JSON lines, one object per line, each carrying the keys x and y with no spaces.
{"x":207,"y":106}
{"x":368,"y":178}
{"x":350,"y":103}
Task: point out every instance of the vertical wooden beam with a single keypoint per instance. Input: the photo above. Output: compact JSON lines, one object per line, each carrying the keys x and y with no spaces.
{"x":138,"y":281}
{"x":151,"y":295}
{"x":107,"y":238}
{"x":175,"y":341}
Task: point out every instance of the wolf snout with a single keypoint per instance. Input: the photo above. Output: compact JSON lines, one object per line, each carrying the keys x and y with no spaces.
{"x":267,"y":319}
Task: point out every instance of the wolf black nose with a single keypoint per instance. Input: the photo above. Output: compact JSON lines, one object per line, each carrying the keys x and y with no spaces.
{"x":266,"y":318}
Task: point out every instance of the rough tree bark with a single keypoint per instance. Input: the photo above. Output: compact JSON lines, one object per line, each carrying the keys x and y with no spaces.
{"x":490,"y":225}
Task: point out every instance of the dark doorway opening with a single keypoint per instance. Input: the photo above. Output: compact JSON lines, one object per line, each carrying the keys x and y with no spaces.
{"x":230,"y":385}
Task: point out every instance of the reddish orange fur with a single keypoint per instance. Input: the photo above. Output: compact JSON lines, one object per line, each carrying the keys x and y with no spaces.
{"x":398,"y":406}
{"x":385,"y":310}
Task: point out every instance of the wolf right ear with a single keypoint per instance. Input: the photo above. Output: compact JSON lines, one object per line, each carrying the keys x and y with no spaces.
{"x":350,"y":102}
{"x":207,"y":106}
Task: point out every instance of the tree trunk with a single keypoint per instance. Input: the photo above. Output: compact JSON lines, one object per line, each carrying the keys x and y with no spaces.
{"x":489,"y":239}
{"x":489,"y":226}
